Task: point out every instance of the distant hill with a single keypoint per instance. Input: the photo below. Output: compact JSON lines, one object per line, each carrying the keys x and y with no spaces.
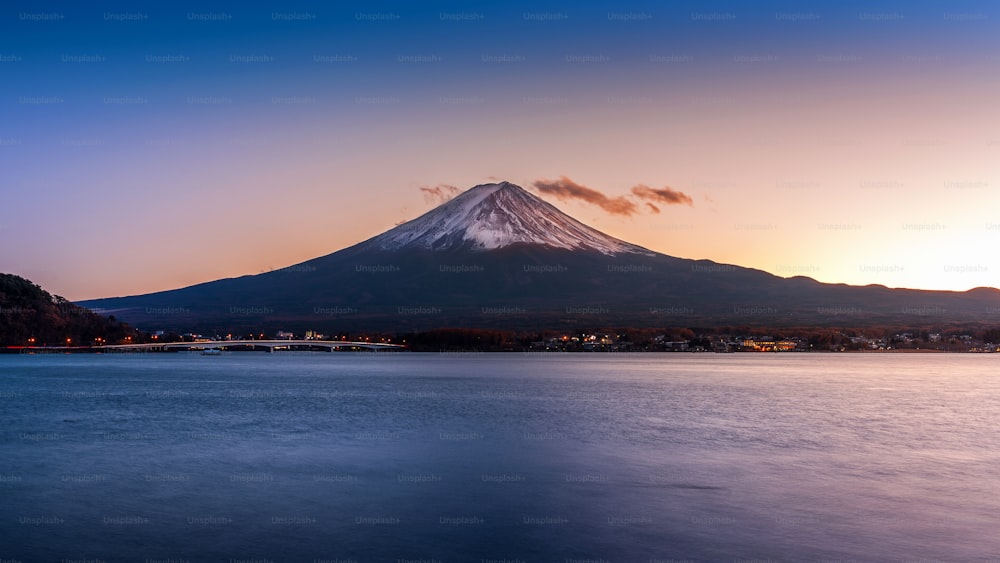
{"x":498,"y":257}
{"x":29,"y":315}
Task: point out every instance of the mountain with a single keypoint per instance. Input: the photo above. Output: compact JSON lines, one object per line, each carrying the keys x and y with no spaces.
{"x":494,"y":216}
{"x":497,"y":256}
{"x":31,"y":316}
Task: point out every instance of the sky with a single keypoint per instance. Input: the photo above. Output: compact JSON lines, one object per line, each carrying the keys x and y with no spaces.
{"x":149,"y":146}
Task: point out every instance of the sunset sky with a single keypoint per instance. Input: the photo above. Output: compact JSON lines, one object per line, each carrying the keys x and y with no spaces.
{"x":146,"y":147}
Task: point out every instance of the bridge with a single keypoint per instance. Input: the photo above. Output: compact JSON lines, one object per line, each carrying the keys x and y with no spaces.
{"x":269,"y":345}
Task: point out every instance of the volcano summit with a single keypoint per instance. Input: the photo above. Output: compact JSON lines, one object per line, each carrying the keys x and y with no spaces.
{"x":494,"y":216}
{"x":498,"y":256}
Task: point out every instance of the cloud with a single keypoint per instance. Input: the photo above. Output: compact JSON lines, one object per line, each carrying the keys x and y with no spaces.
{"x":665,"y":195}
{"x":652,"y":208}
{"x":566,"y":189}
{"x":439,"y":193}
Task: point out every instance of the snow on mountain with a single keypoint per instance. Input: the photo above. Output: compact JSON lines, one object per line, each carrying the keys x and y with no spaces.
{"x":491,"y":216}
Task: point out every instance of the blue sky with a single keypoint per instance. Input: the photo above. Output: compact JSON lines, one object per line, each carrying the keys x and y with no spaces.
{"x":852,"y":142}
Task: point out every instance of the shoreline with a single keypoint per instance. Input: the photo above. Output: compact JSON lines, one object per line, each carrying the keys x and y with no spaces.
{"x":48,"y":351}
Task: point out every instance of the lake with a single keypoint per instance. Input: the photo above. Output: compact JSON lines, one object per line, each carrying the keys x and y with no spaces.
{"x":488,"y":458}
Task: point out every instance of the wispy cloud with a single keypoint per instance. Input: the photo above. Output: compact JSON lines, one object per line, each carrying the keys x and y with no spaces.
{"x":665,"y":195}
{"x":566,"y":189}
{"x":439,"y":193}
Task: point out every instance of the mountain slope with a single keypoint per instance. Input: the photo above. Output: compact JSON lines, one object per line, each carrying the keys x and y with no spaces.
{"x":498,"y":256}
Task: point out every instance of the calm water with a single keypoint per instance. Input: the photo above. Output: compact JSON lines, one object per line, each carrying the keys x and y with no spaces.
{"x":528,"y":458}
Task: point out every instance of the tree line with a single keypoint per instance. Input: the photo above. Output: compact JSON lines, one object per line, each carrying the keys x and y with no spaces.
{"x":31,"y":316}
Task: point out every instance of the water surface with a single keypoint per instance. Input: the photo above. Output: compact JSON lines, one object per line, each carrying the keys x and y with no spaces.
{"x":551,"y":457}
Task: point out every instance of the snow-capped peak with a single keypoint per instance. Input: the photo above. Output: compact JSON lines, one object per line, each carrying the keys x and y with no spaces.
{"x":491,"y":216}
